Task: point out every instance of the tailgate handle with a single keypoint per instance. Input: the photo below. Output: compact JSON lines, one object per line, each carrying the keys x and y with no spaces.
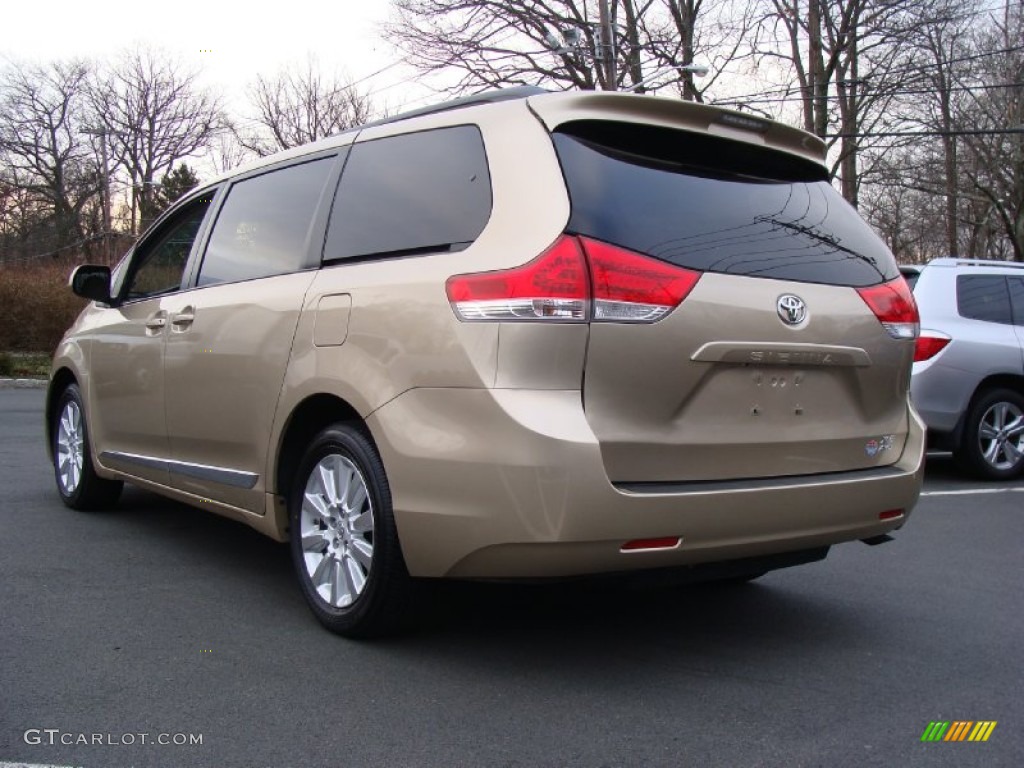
{"x":769,"y":353}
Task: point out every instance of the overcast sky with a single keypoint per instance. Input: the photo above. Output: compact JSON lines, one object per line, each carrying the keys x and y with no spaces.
{"x":242,"y":40}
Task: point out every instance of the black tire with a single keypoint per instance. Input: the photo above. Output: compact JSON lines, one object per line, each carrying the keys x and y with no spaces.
{"x":383,"y":602}
{"x":84,"y":490}
{"x":987,"y":448}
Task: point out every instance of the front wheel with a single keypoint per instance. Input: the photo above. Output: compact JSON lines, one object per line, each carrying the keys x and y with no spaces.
{"x":992,"y":446}
{"x":79,"y":485}
{"x":343,"y":538}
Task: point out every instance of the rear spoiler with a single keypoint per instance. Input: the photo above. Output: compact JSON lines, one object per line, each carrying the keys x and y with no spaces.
{"x":554,"y":109}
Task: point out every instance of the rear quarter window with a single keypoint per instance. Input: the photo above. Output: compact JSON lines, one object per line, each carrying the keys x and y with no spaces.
{"x":715,"y":205}
{"x":413,"y":193}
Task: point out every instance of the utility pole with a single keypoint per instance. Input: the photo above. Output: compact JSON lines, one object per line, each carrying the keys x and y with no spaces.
{"x":102,"y":134}
{"x":607,"y":46}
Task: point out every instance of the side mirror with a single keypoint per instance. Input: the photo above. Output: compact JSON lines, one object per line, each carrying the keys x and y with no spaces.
{"x":91,"y":281}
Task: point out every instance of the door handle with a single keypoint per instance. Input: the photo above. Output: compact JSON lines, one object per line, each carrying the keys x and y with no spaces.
{"x":156,"y":322}
{"x":183,"y":319}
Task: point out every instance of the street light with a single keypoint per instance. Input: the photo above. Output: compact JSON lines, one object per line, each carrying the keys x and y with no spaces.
{"x":697,"y":70}
{"x":567,"y":40}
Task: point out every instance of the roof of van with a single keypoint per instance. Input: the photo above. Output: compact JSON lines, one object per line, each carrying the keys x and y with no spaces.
{"x":557,"y":107}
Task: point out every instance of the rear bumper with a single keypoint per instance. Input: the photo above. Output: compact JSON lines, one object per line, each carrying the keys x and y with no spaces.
{"x":941,"y":393}
{"x":510,"y":484}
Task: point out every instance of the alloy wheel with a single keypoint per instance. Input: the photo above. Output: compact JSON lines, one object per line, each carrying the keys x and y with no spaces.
{"x":337,"y":526}
{"x":70,"y":447}
{"x":1001,"y":435}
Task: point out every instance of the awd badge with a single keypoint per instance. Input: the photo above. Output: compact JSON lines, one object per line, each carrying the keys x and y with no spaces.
{"x":884,"y":443}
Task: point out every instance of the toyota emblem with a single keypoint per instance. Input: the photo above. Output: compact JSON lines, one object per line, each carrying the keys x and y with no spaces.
{"x":791,"y":309}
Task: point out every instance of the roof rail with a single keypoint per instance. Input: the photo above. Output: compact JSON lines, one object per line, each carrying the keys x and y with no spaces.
{"x":950,"y":261}
{"x":487,"y":97}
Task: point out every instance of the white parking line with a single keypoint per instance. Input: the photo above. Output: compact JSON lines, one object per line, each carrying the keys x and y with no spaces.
{"x":32,"y":765}
{"x":964,"y":492}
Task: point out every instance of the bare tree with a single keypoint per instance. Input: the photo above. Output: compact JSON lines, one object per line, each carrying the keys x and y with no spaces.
{"x":943,"y":40}
{"x":559,"y":43}
{"x":226,"y":153}
{"x":49,"y":170}
{"x":849,"y":60}
{"x":992,"y":125}
{"x":154,"y":114}
{"x":299,"y":105}
{"x":680,"y":33}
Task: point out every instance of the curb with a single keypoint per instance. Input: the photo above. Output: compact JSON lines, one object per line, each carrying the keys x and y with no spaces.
{"x":23,"y":383}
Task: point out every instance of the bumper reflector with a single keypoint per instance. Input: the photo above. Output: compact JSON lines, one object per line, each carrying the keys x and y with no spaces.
{"x":648,"y":545}
{"x":890,"y":514}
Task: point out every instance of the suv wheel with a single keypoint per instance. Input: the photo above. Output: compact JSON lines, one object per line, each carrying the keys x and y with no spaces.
{"x":79,"y":485}
{"x":992,"y":445}
{"x":343,"y":537}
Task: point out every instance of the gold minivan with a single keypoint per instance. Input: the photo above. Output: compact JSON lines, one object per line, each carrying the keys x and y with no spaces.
{"x":519,"y":335}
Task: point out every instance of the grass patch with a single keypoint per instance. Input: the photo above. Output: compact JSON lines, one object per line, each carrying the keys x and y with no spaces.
{"x":25,"y":364}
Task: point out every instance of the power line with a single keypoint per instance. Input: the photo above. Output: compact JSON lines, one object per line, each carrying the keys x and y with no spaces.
{"x":888,"y":134}
{"x":789,"y":89}
{"x":50,"y":254}
{"x":897,"y":93}
{"x":370,"y":76}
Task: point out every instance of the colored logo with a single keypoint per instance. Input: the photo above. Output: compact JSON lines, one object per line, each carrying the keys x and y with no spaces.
{"x":874,"y":447}
{"x":958,"y":730}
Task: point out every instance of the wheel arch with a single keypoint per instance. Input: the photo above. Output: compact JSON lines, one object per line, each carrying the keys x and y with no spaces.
{"x":307,"y":418}
{"x":1011,"y":381}
{"x":60,"y":381}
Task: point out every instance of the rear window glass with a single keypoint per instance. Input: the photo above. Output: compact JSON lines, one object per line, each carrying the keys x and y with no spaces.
{"x":715,"y":205}
{"x":983,"y":297}
{"x":418,"y":192}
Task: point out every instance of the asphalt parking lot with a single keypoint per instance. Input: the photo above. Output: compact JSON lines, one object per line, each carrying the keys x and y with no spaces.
{"x":161,"y":620}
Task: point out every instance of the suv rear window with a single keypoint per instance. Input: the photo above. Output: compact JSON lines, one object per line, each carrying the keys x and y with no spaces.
{"x":715,"y":205}
{"x":983,"y":297}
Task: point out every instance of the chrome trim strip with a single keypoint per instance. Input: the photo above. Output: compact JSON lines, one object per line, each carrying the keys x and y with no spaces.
{"x":134,"y":458}
{"x":656,"y":487}
{"x":233,"y":477}
{"x":771,"y":353}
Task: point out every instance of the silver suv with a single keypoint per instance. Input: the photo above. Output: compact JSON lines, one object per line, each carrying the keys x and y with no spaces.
{"x":968,"y":377}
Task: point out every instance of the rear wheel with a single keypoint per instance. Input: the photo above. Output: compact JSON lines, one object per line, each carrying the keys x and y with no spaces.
{"x":992,"y":445}
{"x":343,"y":538}
{"x":79,"y":485}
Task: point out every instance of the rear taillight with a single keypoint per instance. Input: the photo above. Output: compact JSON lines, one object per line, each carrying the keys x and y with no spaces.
{"x":894,"y":306}
{"x":929,"y":344}
{"x":578,"y":280}
{"x":554,"y":286}
{"x":630,"y":287}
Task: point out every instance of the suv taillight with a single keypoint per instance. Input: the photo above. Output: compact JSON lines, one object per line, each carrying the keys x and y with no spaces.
{"x":894,"y":306}
{"x":929,"y":344}
{"x":576,"y":279}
